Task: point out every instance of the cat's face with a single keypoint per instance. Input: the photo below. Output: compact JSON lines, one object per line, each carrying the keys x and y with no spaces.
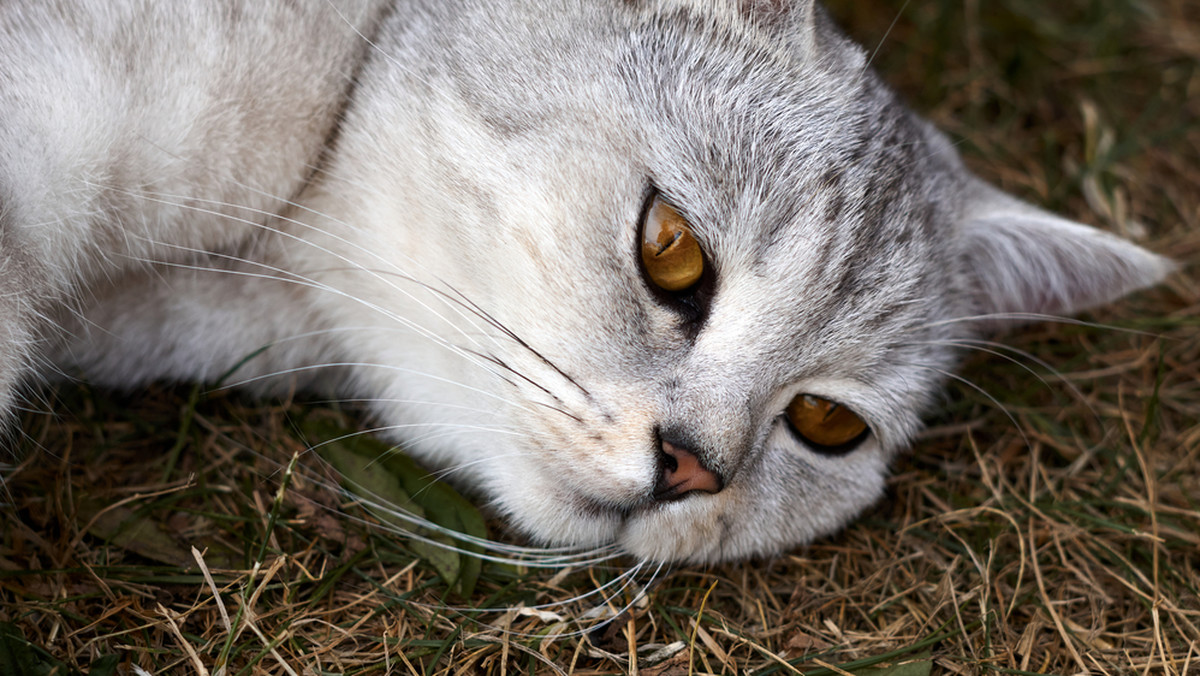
{"x":833,"y":244}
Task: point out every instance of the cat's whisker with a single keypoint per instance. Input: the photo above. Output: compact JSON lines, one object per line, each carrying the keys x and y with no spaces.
{"x":602,"y":613}
{"x":166,"y":199}
{"x":367,"y":365}
{"x":441,"y":474}
{"x":987,"y":347}
{"x":621,"y":582}
{"x":548,"y":557}
{"x":491,"y":320}
{"x":396,"y":269}
{"x":317,"y":285}
{"x":460,"y":300}
{"x":534,"y":557}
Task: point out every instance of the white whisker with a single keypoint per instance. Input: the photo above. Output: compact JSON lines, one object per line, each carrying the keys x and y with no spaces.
{"x":166,"y":199}
{"x":979,"y":389}
{"x":1036,"y":317}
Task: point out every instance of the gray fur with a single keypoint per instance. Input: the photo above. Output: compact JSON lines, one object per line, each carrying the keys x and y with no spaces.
{"x":434,"y":206}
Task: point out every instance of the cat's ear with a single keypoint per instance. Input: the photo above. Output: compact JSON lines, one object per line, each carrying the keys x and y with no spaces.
{"x":800,"y":9}
{"x":796,"y":18}
{"x":1021,"y":261}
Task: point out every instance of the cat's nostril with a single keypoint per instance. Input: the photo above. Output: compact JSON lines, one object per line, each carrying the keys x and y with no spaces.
{"x":682,"y":473}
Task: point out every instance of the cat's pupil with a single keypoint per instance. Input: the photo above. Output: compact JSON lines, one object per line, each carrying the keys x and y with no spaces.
{"x":672,"y":257}
{"x":826,"y":426}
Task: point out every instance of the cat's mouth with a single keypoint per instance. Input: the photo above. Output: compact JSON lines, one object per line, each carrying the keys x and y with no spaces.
{"x":599,"y":509}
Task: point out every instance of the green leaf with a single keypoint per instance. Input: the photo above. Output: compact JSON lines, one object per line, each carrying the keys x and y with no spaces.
{"x":380,"y":472}
{"x":917,"y":665}
{"x":19,"y":657}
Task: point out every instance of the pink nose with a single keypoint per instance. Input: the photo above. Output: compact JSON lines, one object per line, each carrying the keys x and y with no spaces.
{"x":683,"y":473}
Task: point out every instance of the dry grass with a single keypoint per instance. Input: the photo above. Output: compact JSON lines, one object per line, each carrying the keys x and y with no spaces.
{"x":1059,"y":533}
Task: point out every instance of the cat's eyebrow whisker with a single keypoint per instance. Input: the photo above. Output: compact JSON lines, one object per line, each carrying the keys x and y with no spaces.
{"x":1038,"y":317}
{"x":348,"y":329}
{"x":1005,"y":352}
{"x":179,"y":201}
{"x":1002,"y":351}
{"x":184,"y":202}
{"x":969,"y":383}
{"x":391,"y":59}
{"x":884,"y":37}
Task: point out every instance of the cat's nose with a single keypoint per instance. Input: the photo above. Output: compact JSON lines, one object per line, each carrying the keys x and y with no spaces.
{"x":682,"y":473}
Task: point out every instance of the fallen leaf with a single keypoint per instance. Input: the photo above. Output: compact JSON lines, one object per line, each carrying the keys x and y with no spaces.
{"x":400,"y":492}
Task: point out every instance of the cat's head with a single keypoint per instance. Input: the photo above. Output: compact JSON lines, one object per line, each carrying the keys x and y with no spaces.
{"x":737,"y":385}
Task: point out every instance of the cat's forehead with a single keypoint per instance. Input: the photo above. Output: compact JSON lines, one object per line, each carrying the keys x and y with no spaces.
{"x":754,"y":123}
{"x":798,"y":165}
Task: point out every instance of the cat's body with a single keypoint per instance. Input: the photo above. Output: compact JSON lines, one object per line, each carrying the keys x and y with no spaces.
{"x":437,"y":207}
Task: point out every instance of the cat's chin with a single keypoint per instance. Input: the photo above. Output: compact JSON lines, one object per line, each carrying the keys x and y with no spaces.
{"x":687,"y":531}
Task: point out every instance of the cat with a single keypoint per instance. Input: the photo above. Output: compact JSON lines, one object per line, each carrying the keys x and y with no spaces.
{"x":680,"y":276}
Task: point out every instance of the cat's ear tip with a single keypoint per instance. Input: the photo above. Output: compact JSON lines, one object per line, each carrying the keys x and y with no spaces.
{"x":1023,"y":261}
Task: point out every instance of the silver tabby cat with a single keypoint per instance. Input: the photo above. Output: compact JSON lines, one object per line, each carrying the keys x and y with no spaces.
{"x":678,"y":275}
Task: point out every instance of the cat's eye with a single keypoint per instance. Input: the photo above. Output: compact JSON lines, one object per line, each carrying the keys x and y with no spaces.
{"x":671,"y":255}
{"x":826,"y":425}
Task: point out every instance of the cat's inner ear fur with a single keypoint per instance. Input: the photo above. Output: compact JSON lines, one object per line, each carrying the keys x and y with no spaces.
{"x":1021,"y":261}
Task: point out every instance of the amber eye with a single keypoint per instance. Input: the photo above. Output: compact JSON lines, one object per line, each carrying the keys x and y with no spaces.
{"x":827,"y":425}
{"x":671,"y":254}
